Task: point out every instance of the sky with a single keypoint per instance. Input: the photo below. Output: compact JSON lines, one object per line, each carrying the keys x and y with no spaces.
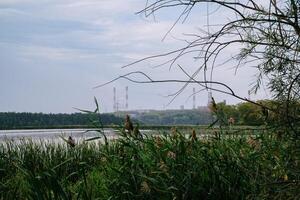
{"x":54,"y":52}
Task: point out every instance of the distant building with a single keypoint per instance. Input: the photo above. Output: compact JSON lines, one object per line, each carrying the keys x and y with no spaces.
{"x":182,"y":107}
{"x":203,"y":108}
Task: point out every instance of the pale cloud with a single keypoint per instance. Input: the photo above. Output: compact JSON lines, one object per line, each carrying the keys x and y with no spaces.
{"x":74,"y":45}
{"x":16,"y":2}
{"x":89,"y":10}
{"x":49,"y":53}
{"x":10,"y":12}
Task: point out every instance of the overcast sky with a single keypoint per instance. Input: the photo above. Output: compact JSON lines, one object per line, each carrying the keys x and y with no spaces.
{"x":53,"y":52}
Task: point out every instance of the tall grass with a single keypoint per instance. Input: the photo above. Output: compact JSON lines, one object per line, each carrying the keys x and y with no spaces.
{"x":43,"y":170}
{"x":170,"y":166}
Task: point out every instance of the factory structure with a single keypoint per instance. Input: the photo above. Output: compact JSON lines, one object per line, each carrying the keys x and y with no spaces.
{"x":117,"y":105}
{"x":120,"y":103}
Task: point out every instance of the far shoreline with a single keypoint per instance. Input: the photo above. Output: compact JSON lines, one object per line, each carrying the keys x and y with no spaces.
{"x":148,"y":126}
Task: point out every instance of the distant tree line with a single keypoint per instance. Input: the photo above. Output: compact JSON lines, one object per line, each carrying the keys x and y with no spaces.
{"x":249,"y":114}
{"x":242,"y":114}
{"x":174,"y":117}
{"x":12,"y":120}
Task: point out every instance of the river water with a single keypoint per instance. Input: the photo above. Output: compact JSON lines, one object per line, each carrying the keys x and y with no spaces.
{"x":55,"y":135}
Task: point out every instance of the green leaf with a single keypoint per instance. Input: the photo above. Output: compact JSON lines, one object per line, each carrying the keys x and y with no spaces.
{"x":81,"y":110}
{"x":94,"y":138}
{"x":212,"y":124}
{"x":97,"y":105}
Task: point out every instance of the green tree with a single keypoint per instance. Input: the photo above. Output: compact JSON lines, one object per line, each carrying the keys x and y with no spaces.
{"x":260,"y":34}
{"x":267,"y":34}
{"x":250,"y":114}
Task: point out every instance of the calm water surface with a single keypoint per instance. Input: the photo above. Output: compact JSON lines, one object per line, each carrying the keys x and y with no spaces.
{"x":54,"y":135}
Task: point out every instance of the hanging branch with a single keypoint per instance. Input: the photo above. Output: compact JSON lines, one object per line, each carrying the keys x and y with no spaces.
{"x":268,"y":37}
{"x":152,"y":81}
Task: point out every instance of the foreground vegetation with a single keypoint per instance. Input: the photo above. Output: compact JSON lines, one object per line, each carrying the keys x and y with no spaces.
{"x":170,"y":166}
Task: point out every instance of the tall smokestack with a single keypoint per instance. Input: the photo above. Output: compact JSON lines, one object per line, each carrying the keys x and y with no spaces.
{"x":115,"y":100}
{"x":126,"y":98}
{"x":209,"y":98}
{"x":194,"y":98}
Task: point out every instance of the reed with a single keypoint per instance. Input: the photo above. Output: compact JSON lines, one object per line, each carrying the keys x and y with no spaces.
{"x":166,"y":166}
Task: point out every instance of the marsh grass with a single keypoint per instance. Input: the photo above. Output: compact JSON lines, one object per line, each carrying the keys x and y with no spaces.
{"x":166,"y":166}
{"x":43,"y":170}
